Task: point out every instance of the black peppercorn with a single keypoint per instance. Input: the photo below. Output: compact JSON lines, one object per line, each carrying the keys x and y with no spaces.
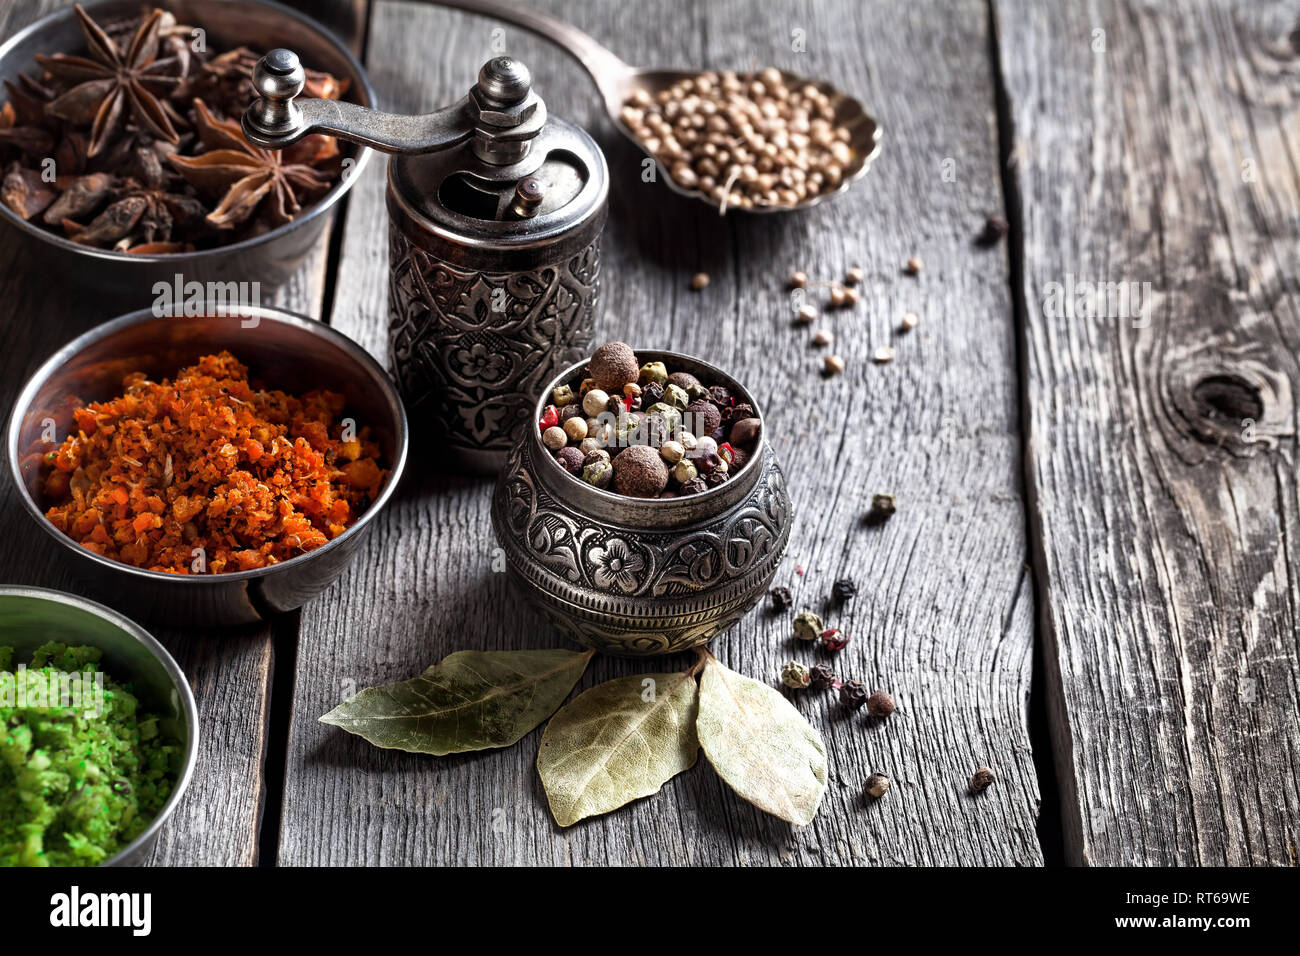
{"x":823,"y":678}
{"x":721,"y":396}
{"x":693,"y":487}
{"x":981,"y":781}
{"x":880,"y":704}
{"x":782,"y":599}
{"x":651,"y":393}
{"x":843,"y":589}
{"x":853,"y":694}
{"x":877,"y":785}
{"x":715,"y":478}
{"x":740,"y":412}
{"x":569,"y":411}
{"x":995,"y":228}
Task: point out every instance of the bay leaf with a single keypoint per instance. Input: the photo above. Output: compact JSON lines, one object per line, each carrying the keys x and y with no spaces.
{"x":617,"y":742}
{"x":471,"y":700}
{"x":760,"y":744}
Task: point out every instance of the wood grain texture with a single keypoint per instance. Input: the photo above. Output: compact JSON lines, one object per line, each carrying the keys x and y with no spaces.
{"x":945,"y":616}
{"x":217,"y":823}
{"x":1159,"y":143}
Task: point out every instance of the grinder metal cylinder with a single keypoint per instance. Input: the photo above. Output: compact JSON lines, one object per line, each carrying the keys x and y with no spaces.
{"x":495,"y":214}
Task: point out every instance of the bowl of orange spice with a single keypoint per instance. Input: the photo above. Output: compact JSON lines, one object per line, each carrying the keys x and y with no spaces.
{"x":208,"y":470}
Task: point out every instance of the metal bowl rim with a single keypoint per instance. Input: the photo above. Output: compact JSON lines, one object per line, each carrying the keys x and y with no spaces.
{"x":662,"y":503}
{"x":139,"y":317}
{"x":327,"y":202}
{"x":189,"y":709}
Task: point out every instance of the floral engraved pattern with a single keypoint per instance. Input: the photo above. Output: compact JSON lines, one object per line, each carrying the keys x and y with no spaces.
{"x":616,"y":565}
{"x":644,"y":591}
{"x":471,"y":350}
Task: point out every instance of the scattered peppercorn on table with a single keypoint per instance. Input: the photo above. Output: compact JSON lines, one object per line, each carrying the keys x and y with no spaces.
{"x":942,"y":537}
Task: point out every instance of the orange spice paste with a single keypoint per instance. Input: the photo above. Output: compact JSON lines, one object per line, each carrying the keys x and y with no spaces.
{"x":207,"y":461}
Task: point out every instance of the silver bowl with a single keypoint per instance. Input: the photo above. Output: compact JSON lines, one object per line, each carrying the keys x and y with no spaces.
{"x":271,"y":258}
{"x":638,"y":577}
{"x":285,"y":351}
{"x":30,"y":617}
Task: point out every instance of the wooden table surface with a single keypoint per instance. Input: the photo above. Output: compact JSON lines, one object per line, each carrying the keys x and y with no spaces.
{"x":1090,"y":583}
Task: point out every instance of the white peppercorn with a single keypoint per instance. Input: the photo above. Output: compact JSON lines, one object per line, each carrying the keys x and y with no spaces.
{"x":554,"y":437}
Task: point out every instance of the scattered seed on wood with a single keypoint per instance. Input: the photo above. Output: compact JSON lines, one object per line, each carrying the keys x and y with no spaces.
{"x":914,"y":266}
{"x":884,"y":503}
{"x":834,"y":364}
{"x":877,"y":784}
{"x":880,"y":704}
{"x":883,"y":354}
{"x":854,"y":276}
{"x":782,"y":599}
{"x":995,"y":229}
{"x":843,"y":590}
{"x":807,"y":313}
{"x":850,"y":296}
{"x":837,"y":296}
{"x":699,"y":281}
{"x":982,"y":780}
{"x":798,"y":280}
{"x":823,"y":337}
{"x":910,"y":321}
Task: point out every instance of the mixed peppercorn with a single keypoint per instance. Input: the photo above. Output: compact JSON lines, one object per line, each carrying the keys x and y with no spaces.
{"x":646,"y":432}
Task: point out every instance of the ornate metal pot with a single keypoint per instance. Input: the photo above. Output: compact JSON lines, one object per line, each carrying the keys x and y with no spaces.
{"x":633,"y":576}
{"x":495,"y":215}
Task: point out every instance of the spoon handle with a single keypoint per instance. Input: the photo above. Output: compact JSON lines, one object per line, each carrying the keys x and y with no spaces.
{"x":606,"y":69}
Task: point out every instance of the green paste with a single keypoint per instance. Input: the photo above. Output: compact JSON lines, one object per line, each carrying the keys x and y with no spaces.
{"x":75,"y":786}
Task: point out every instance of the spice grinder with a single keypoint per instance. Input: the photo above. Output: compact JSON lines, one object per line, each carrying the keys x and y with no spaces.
{"x":495,"y":214}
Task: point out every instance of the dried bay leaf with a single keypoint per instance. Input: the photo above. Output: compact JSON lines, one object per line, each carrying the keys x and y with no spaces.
{"x":760,"y":744}
{"x":617,"y":742}
{"x":471,"y":700}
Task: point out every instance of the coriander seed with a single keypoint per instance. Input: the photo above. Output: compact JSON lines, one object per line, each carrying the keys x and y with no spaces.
{"x":883,"y":355}
{"x":837,"y":296}
{"x":834,"y":364}
{"x":854,"y":276}
{"x":798,"y":280}
{"x":807,"y":313}
{"x":910,"y":321}
{"x":699,"y":281}
{"x":823,"y":337}
{"x":982,"y":780}
{"x":914,"y":266}
{"x":850,"y":297}
{"x":877,"y":785}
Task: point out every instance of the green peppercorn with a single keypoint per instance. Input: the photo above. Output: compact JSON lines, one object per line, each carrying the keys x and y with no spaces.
{"x":676,"y":396}
{"x":669,"y":419}
{"x":795,"y":675}
{"x":808,"y":626}
{"x":684,"y":471}
{"x":599,"y":473}
{"x":653,"y":372}
{"x":563,"y":395}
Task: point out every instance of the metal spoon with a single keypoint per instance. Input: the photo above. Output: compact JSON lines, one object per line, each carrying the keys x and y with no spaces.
{"x":617,"y":81}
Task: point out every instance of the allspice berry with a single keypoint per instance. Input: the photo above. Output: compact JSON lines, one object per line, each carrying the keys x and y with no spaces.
{"x":570,"y":459}
{"x":639,"y":472}
{"x":834,"y":364}
{"x":880,"y":704}
{"x":612,"y":366}
{"x":746,"y":431}
{"x":877,"y":785}
{"x":704,"y":418}
{"x":982,"y":780}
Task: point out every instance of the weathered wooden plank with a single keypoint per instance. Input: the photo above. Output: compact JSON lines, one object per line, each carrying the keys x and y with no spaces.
{"x":945,"y":615}
{"x":217,"y":823}
{"x":1158,"y":144}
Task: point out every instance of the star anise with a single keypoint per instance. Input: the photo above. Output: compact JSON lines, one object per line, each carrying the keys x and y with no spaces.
{"x":146,"y":211}
{"x":276,"y":182}
{"x":225,"y":83}
{"x":111,"y":84}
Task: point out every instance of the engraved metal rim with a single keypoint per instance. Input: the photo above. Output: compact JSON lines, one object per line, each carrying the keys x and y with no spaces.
{"x":327,"y":202}
{"x":840,"y":98}
{"x":189,"y":711}
{"x":613,"y":497}
{"x":366,"y":364}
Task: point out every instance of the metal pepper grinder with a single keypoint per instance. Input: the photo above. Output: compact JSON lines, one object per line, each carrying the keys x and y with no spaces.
{"x":495,"y":213}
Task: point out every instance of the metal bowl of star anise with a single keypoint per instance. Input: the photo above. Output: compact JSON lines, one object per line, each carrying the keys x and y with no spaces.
{"x":121,"y":150}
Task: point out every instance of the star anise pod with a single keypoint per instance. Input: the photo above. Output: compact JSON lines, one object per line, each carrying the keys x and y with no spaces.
{"x":25,"y":192}
{"x":225,"y":83}
{"x":145,"y":212}
{"x":111,"y":84}
{"x":278,"y":182}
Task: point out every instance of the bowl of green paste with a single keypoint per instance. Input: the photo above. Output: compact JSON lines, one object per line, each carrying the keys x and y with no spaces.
{"x":98,"y":733}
